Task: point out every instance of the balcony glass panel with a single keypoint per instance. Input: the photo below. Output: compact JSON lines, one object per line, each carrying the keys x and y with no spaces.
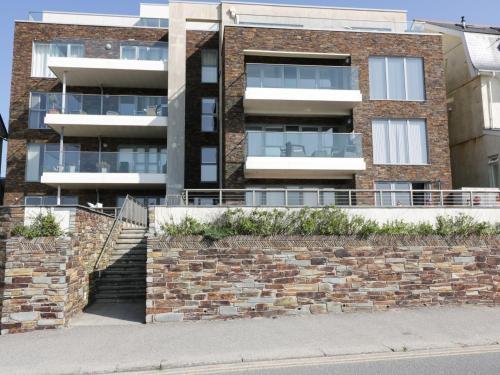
{"x":302,"y":76}
{"x":304,"y":144}
{"x":106,"y":162}
{"x":88,"y":104}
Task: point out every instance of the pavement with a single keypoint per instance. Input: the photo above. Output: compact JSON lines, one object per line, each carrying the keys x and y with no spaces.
{"x":106,"y":348}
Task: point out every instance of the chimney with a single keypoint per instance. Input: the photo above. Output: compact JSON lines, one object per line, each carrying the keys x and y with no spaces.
{"x":462,"y":21}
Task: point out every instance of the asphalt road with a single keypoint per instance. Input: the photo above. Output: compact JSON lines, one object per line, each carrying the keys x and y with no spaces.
{"x":467,"y":362}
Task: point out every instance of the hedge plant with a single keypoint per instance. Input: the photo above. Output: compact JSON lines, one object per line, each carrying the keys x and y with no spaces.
{"x":42,"y":226}
{"x":328,"y":221}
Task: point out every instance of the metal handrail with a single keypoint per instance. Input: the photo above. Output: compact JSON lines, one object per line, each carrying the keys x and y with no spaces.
{"x":351,"y":197}
{"x":139,"y":217}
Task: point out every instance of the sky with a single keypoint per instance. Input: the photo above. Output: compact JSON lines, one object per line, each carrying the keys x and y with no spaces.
{"x":475,"y":11}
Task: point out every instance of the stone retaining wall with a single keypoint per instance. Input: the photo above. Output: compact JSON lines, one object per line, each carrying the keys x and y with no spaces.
{"x":193,"y":279}
{"x":47,"y":281}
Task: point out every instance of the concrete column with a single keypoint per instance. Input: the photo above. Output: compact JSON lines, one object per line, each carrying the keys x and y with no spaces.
{"x":61,"y":150}
{"x":63,"y":104}
{"x":176,"y":99}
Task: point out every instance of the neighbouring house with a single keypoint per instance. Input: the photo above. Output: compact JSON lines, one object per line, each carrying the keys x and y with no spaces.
{"x":225,"y":95}
{"x":472,"y":61}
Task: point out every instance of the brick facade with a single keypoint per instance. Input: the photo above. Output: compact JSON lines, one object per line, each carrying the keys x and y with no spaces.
{"x":242,"y":277}
{"x":95,"y":38}
{"x":196,"y":41}
{"x":359,"y":46}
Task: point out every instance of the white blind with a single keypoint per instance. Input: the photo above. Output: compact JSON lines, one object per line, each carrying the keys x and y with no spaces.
{"x":39,"y":66}
{"x":396,"y":78}
{"x":33,"y":158}
{"x":400,"y":142}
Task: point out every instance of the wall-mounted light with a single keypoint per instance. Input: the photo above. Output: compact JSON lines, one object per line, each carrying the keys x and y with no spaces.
{"x":108,"y":46}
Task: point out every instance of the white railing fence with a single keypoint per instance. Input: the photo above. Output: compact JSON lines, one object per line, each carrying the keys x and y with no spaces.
{"x":340,"y":198}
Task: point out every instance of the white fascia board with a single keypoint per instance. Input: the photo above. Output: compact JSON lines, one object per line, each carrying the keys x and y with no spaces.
{"x":104,"y":120}
{"x":102,"y":179}
{"x":310,"y":95}
{"x":105,"y":64}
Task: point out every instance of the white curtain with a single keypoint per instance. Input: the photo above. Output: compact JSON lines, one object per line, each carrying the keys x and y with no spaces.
{"x":415,"y":78}
{"x":396,"y":71}
{"x":399,"y":142}
{"x":378,"y":87}
{"x":417,"y":139}
{"x":33,"y":158}
{"x":39,"y":66}
{"x":380,"y":144}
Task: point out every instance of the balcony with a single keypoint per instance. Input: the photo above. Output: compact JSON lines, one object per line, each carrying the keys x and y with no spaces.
{"x":114,"y":64}
{"x":105,"y":170}
{"x":301,"y":90}
{"x":105,"y":115}
{"x":303,"y":155}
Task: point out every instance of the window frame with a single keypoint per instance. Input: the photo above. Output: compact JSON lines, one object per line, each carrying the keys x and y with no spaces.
{"x":202,"y":164}
{"x":50,"y":45}
{"x":387,"y":84}
{"x":409,"y":163}
{"x":43,"y":197}
{"x":213,"y":115}
{"x":204,"y":65}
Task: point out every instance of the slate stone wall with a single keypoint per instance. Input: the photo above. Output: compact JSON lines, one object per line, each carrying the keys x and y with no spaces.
{"x":193,"y":279}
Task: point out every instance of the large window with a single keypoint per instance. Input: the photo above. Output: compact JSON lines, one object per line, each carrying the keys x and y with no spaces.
{"x":41,"y":52}
{"x":142,"y":159}
{"x":396,"y":78}
{"x":400,"y":142}
{"x":209,"y":59}
{"x":49,"y":200}
{"x":40,"y":157}
{"x":209,"y":164}
{"x":394,"y":193}
{"x":494,"y":170}
{"x":208,"y":115}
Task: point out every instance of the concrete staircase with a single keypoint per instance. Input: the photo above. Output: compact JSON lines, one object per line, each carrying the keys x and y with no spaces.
{"x":124,"y":280}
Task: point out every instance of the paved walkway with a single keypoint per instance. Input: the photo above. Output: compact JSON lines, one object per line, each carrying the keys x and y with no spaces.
{"x":91,"y":349}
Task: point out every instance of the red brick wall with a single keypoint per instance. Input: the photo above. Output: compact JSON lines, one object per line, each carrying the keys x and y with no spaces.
{"x":360,"y":46}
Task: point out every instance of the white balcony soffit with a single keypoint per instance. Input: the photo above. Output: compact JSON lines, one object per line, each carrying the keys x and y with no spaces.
{"x":299,"y":167}
{"x":95,"y":72}
{"x":108,"y":125}
{"x":103,"y":180}
{"x":300,"y":102}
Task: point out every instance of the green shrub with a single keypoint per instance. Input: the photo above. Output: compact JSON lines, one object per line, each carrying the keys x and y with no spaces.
{"x":328,"y":221}
{"x":42,"y":226}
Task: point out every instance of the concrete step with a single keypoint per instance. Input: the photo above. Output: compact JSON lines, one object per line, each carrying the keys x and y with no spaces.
{"x":129,"y":250}
{"x":122,"y":300}
{"x":131,"y":235}
{"x":128,"y":256}
{"x":119,"y":277}
{"x":139,"y":288}
{"x":121,"y":294}
{"x":132,"y":241}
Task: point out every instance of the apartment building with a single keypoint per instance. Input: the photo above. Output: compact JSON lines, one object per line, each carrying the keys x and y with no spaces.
{"x":472,"y":58}
{"x":225,"y":95}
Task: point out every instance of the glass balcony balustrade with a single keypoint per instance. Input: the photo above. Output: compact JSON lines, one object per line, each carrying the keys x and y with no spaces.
{"x":88,"y":104}
{"x":302,"y":76}
{"x":106,"y":162}
{"x":303,"y":144}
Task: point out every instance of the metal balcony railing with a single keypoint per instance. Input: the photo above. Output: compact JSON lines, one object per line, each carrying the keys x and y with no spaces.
{"x":304,"y":144}
{"x":105,"y":162}
{"x":302,"y":76}
{"x":341,"y":198}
